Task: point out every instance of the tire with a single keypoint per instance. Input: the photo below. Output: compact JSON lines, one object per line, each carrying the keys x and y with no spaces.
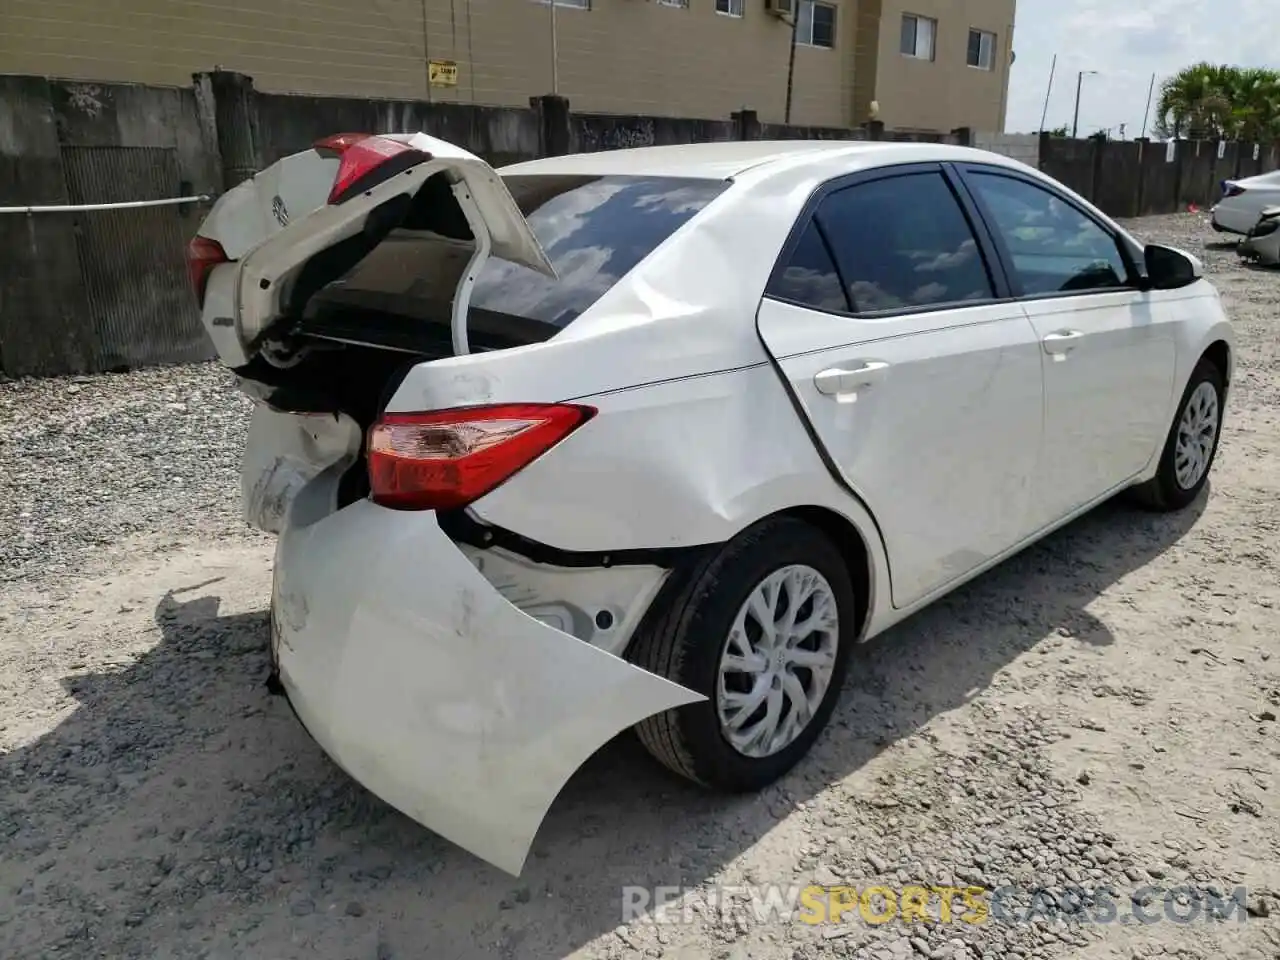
{"x":1165,"y":492}
{"x":686,"y":636}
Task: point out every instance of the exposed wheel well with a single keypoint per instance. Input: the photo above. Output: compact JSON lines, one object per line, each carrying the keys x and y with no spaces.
{"x":852,"y":547}
{"x":1219,"y":354}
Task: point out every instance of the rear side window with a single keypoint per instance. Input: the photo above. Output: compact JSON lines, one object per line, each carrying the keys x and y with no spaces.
{"x":810,"y":279}
{"x":594,"y":230}
{"x":904,"y":242}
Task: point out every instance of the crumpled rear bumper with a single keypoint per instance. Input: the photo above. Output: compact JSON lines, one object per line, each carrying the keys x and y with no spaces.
{"x":430,"y":689}
{"x":1261,"y":248}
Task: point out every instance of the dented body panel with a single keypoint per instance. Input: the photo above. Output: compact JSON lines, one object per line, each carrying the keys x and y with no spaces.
{"x":285,"y":454}
{"x":422,"y":682}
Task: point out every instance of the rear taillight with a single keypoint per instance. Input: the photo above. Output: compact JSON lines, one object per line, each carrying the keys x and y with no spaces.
{"x":446,"y":459}
{"x":1231,"y":190}
{"x":203,"y":255}
{"x":366,"y":161}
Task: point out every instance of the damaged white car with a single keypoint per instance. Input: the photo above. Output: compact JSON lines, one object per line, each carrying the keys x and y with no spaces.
{"x":654,"y":437}
{"x":1261,"y":244}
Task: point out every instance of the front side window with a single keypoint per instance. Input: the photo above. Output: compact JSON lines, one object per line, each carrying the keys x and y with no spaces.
{"x":1055,"y":248}
{"x":918,"y":36}
{"x":904,"y":242}
{"x":982,"y":49}
{"x":816,"y":24}
{"x":730,"y":8}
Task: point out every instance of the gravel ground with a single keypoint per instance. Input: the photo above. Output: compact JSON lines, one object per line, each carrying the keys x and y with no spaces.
{"x":1099,"y":712}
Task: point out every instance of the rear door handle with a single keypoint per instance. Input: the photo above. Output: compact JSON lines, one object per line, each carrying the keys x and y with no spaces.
{"x":848,"y":379}
{"x":1061,"y":341}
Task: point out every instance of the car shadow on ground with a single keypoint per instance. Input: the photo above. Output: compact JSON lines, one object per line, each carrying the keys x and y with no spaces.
{"x":180,"y":810}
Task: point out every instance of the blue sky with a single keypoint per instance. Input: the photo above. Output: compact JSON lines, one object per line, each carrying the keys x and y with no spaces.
{"x":1126,"y":42}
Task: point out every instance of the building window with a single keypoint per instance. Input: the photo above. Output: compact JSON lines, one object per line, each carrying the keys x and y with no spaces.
{"x":918,"y":35}
{"x":730,"y":8}
{"x":682,"y":4}
{"x":816,"y":24}
{"x":982,"y":49}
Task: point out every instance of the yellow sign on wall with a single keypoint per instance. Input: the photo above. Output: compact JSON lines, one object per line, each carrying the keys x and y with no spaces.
{"x":442,"y":73}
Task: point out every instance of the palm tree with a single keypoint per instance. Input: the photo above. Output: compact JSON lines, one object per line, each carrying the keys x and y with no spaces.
{"x":1255,"y":104}
{"x":1207,"y":101}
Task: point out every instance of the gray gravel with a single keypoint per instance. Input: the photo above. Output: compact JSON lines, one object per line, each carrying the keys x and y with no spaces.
{"x":1092,"y":715}
{"x":91,"y":460}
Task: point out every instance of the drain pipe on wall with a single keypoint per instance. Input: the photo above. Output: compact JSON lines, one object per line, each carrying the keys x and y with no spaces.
{"x":791,"y":61}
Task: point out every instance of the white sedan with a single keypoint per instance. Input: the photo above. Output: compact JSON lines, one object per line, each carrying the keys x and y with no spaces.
{"x":655,"y":437}
{"x":1243,"y":201}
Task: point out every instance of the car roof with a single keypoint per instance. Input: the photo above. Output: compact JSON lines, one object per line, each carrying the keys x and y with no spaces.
{"x":726,"y":159}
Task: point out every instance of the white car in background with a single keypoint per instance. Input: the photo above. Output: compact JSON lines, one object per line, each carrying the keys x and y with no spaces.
{"x":655,"y":437}
{"x":1243,"y":201}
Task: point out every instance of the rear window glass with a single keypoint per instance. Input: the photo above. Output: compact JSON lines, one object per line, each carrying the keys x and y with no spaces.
{"x":594,"y":230}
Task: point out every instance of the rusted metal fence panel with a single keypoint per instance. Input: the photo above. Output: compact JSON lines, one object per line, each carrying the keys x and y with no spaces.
{"x":142,"y":311}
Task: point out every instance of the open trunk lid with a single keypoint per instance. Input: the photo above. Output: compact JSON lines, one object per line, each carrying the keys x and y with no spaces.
{"x":272,"y":242}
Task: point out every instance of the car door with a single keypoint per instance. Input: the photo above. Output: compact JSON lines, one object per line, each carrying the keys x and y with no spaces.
{"x":1109,"y":349}
{"x":919,"y":379}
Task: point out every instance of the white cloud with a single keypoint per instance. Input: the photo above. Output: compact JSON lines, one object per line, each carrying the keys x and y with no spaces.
{"x":1126,"y":44}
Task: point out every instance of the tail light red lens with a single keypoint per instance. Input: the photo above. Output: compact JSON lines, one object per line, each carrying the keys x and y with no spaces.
{"x":203,"y":255}
{"x":445,"y":459}
{"x":366,"y":161}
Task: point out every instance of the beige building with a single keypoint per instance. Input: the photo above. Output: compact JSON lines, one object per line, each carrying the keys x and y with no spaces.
{"x":927,"y":64}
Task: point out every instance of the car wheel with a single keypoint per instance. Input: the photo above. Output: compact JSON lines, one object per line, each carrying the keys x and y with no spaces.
{"x":1191,"y":445}
{"x":764,"y":630}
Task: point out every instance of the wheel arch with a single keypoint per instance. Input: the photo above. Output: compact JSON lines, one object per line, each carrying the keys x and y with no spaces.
{"x":844,"y":534}
{"x":1219,"y":354}
{"x":853,"y":547}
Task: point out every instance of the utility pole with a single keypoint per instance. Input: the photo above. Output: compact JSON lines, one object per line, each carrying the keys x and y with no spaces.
{"x":1053,"y":68}
{"x":1146,"y":116}
{"x":1075,"y":121}
{"x":791,"y":60}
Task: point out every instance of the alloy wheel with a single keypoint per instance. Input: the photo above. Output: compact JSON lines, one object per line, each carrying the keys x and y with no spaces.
{"x":778,"y":661}
{"x":1197,"y":433}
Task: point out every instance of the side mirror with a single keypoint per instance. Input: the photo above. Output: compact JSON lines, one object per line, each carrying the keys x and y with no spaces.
{"x":1169,"y":268}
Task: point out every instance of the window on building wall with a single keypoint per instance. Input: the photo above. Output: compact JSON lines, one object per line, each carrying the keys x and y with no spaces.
{"x":982,"y":49}
{"x":682,"y":4}
{"x":730,"y":8}
{"x":918,"y":36}
{"x":816,"y":24}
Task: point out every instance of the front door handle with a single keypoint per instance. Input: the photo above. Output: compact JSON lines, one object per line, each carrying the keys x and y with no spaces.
{"x":837,"y":380}
{"x":1061,"y":341}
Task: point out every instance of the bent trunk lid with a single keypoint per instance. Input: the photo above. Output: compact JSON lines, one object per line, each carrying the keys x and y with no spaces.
{"x":273,"y":224}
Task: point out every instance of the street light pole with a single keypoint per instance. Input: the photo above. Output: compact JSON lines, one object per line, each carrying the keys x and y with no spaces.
{"x":1075,"y":121}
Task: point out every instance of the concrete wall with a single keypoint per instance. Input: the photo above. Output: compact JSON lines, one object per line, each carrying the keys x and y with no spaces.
{"x":288,"y":124}
{"x":47,"y":323}
{"x":1024,"y":147}
{"x":646,"y":57}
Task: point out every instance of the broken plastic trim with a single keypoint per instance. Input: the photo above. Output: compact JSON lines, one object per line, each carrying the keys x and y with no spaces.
{"x":461,"y":527}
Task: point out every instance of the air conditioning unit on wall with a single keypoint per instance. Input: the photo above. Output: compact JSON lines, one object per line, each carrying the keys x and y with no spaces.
{"x":780,"y":8}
